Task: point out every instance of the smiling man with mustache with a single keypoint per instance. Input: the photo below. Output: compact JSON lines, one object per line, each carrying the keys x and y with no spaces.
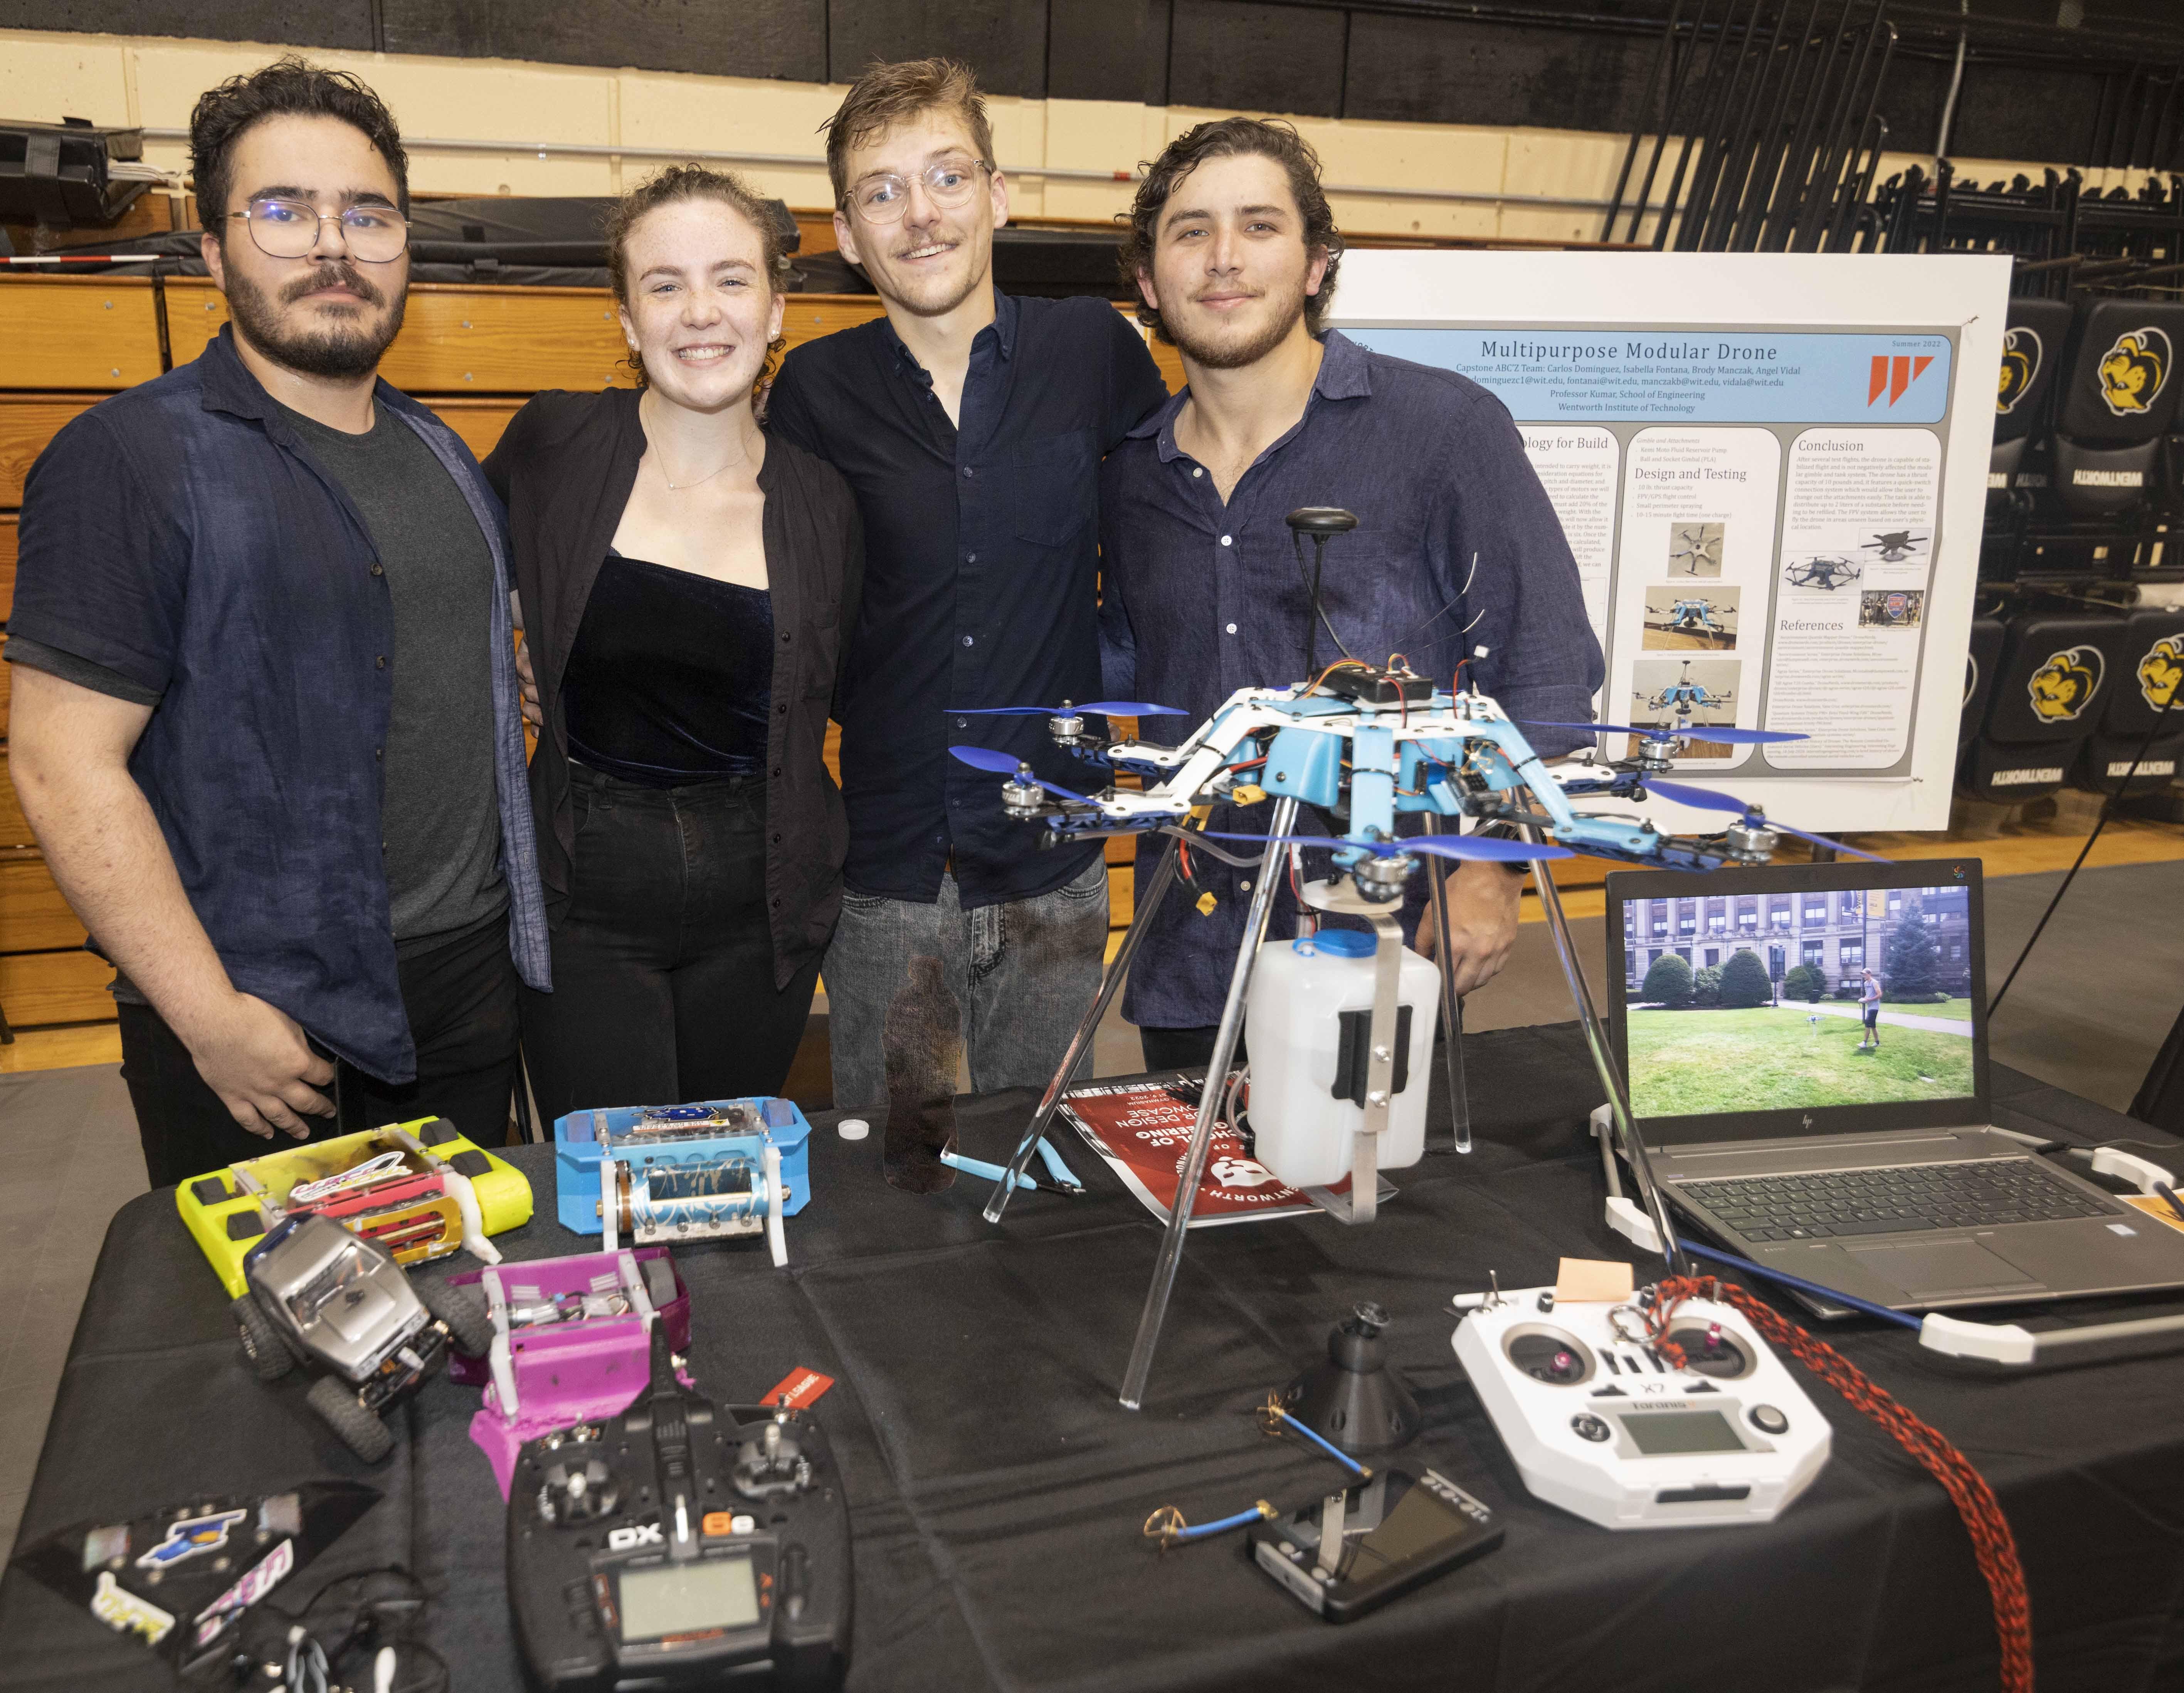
{"x":1233,"y":251}
{"x":265,"y":723}
{"x":969,"y":424}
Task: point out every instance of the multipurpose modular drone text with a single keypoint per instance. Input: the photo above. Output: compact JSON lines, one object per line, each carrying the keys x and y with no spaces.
{"x":1366,"y":743}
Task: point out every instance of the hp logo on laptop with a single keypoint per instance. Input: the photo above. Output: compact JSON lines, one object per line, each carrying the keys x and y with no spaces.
{"x":1808,"y":1119}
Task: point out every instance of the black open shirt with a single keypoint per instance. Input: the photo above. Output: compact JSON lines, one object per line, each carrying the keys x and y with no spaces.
{"x":981,"y":575}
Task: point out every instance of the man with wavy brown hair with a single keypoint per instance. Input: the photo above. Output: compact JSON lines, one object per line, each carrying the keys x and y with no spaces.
{"x":969,"y":424}
{"x":1233,"y":251}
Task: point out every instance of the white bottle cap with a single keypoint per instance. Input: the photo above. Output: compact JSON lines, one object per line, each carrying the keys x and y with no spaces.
{"x":853,"y":1128}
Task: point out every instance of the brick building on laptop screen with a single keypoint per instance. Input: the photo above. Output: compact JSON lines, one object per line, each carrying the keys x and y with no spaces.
{"x":1837,"y":932}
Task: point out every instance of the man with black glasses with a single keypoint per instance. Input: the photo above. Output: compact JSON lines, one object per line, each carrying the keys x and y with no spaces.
{"x":265,"y":723}
{"x":970,"y":425}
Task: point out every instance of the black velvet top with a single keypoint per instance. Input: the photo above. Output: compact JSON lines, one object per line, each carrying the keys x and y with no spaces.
{"x":670,"y":675}
{"x":565,"y":468}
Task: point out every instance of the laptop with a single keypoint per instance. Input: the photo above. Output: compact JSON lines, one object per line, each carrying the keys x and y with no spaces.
{"x":1806,"y":1049}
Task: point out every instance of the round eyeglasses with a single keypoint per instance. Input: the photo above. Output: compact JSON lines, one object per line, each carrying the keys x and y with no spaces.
{"x":289,"y":229}
{"x":949,"y":185}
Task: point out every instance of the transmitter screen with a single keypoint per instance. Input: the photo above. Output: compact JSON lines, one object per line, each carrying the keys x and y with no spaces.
{"x":678,"y":1599}
{"x":1667,"y":1434}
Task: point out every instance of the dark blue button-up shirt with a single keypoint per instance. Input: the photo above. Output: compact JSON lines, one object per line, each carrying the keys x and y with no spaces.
{"x":179,"y":535}
{"x":1200,"y":599}
{"x":981,"y":573}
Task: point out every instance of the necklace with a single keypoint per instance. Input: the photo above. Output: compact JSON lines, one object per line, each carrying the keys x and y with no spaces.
{"x":678,"y":488}
{"x":674,"y":486}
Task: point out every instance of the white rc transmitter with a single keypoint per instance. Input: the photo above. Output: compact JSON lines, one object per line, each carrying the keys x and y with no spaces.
{"x":1599,"y":1424}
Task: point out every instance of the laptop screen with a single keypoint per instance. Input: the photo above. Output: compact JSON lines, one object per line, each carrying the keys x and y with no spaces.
{"x":1800,"y":997}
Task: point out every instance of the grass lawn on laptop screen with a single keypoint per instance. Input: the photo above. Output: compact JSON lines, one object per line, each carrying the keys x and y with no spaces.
{"x":1772,"y":1058}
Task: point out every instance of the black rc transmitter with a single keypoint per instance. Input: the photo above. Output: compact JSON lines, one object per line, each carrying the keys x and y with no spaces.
{"x":680,"y":1545}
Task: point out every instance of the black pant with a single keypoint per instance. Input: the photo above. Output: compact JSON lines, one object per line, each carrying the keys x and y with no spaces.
{"x":460,"y":998}
{"x":663,"y":965}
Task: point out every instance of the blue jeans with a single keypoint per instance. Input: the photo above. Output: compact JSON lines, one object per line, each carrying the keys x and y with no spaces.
{"x":922,"y":983}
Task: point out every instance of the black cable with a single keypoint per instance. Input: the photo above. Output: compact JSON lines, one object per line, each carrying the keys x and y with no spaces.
{"x":2108,"y":807}
{"x":1192,"y":838}
{"x":1319,"y":614}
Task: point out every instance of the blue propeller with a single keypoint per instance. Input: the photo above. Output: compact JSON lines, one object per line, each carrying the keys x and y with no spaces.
{"x":1438,"y":846}
{"x":1008,"y":764}
{"x":1092,"y":708}
{"x":1707,"y":799}
{"x":1698,"y":732}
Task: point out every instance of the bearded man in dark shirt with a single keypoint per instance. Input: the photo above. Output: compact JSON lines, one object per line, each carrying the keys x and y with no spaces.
{"x":265,"y":725}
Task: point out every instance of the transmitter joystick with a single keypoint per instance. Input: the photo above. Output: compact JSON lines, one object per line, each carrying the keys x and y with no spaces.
{"x":772,"y":1463}
{"x":577,"y":1487}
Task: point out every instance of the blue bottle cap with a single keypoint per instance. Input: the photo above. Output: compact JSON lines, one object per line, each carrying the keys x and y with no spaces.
{"x":1339,"y":943}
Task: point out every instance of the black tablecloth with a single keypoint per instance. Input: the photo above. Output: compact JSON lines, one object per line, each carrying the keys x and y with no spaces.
{"x":997,"y":1488}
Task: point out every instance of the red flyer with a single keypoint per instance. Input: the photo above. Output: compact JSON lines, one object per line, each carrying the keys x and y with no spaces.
{"x":1142,"y":1129}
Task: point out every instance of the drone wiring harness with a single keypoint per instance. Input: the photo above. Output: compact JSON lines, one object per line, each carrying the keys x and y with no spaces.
{"x":1992,"y":1544}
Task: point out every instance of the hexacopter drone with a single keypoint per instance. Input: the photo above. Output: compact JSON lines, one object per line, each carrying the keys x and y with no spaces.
{"x":1369,"y":743}
{"x":1694,"y":546}
{"x":1679,"y":699}
{"x":1895,"y":544}
{"x":1822,"y":573}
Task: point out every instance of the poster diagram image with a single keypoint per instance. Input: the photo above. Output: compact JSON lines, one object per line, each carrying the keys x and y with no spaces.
{"x":1821,"y":573}
{"x":1686,"y":697}
{"x":1891,"y":607}
{"x":1895,"y":545}
{"x":1694,"y":549}
{"x":1690,"y":619}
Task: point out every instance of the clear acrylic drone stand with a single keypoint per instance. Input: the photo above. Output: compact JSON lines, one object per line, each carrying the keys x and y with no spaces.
{"x":1364,"y":1183}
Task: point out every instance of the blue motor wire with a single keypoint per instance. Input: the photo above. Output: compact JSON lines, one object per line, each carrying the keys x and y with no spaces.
{"x":1167,"y":1525}
{"x":1798,"y":1282}
{"x":1326,"y":1446}
{"x":1200,"y":1531}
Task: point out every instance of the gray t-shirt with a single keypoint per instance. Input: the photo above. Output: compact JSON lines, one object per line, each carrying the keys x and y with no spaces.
{"x":441,"y":820}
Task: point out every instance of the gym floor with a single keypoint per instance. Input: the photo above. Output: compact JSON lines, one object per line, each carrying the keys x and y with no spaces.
{"x":2088,"y":1013}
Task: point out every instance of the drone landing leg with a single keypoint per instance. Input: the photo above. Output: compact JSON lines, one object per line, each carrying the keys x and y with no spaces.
{"x":1603,"y":1061}
{"x":1080,"y":1043}
{"x":1451,"y":1013}
{"x":1209,"y":1107}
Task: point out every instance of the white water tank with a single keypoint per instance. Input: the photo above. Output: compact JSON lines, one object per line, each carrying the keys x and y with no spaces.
{"x":1304,"y":994}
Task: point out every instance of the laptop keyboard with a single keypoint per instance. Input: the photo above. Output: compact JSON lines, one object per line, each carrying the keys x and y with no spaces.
{"x":1898,"y":1200}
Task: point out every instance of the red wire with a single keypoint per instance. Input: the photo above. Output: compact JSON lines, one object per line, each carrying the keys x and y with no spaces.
{"x":1992,"y":1543}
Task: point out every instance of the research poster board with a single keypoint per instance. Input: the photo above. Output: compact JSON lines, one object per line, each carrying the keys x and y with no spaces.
{"x":1771,"y":469}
